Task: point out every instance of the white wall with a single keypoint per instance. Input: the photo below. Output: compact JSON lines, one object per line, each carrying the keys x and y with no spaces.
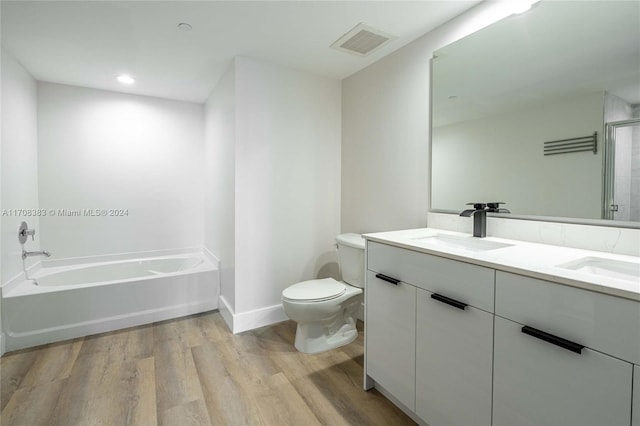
{"x":385,"y":134}
{"x":616,"y":109}
{"x":385,"y":164}
{"x":19,"y":167}
{"x":272,"y":197}
{"x":19,"y":163}
{"x":501,"y":158}
{"x":287,"y":201}
{"x":107,"y":150}
{"x":219,"y":184}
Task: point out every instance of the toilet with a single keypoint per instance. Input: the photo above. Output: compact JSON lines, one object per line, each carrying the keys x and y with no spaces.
{"x":325,"y":309}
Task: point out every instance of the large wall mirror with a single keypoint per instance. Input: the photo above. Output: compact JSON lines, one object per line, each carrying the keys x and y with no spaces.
{"x":542,"y":111}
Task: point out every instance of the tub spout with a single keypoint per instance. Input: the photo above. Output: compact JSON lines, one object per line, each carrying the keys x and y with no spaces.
{"x":26,"y":254}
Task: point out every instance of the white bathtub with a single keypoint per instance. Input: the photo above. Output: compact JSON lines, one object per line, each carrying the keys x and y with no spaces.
{"x":63,"y":300}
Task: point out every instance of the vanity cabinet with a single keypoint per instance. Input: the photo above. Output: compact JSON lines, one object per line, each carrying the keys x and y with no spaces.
{"x":458,"y":344}
{"x":430,"y":333}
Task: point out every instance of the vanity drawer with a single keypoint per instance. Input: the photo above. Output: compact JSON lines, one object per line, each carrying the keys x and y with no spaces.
{"x":599,"y":321}
{"x":470,"y":284}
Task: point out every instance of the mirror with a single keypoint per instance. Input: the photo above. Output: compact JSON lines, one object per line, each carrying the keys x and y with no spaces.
{"x":515,"y":107}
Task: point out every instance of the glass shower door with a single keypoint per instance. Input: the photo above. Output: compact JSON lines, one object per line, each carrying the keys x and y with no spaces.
{"x":621,"y":201}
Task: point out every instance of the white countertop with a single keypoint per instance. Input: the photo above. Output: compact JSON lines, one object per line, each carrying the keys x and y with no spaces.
{"x":530,"y":259}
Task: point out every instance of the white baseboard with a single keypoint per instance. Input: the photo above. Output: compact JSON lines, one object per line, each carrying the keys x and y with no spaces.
{"x":258,"y":318}
{"x":226,"y":312}
{"x":244,"y":321}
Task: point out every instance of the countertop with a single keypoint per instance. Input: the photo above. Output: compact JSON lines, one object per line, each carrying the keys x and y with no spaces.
{"x":534,"y":260}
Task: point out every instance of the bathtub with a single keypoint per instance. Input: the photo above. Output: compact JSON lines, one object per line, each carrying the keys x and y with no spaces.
{"x":67,"y":299}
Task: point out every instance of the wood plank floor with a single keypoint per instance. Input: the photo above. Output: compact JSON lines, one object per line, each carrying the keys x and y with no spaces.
{"x":189,"y":371}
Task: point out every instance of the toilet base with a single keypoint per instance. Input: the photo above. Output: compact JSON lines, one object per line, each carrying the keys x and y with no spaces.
{"x":326,"y":324}
{"x":313,"y":338}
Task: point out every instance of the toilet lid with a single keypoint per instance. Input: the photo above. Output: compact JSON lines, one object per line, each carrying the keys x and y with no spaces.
{"x":314,"y":290}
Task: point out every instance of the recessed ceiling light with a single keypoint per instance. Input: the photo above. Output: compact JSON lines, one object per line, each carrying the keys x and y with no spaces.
{"x":126,"y":79}
{"x":184,"y":26}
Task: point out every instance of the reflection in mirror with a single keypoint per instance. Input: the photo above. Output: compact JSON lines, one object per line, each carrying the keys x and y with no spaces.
{"x":622,"y":171}
{"x":560,"y":71}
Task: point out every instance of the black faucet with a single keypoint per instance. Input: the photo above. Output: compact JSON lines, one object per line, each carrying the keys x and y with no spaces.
{"x":494,"y":207}
{"x":479,"y":213}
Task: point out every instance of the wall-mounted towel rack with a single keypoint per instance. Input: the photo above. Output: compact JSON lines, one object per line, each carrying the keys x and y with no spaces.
{"x":565,"y":146}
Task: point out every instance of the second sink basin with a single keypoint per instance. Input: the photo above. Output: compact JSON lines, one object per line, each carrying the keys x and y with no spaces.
{"x":610,"y":268}
{"x":460,"y":242}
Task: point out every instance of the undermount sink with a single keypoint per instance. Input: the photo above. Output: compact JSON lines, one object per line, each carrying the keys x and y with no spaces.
{"x":610,"y":268}
{"x":459,"y":242}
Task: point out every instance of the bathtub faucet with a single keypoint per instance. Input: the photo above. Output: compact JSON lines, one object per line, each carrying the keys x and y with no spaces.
{"x":26,"y":254}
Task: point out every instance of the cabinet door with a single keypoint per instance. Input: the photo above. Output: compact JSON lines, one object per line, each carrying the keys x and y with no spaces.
{"x":390,"y":333}
{"x":636,"y":396}
{"x":538,"y":383}
{"x":454,"y":349}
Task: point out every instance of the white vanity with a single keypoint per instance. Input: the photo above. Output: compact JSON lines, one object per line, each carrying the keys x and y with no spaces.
{"x":464,"y":331}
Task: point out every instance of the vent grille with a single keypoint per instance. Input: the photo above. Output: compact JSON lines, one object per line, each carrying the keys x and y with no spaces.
{"x":362,"y":40}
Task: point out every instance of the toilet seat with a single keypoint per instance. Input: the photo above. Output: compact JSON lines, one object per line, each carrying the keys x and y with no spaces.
{"x":314,"y":290}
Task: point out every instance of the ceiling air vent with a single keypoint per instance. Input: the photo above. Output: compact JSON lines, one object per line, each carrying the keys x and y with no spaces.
{"x":362,"y":40}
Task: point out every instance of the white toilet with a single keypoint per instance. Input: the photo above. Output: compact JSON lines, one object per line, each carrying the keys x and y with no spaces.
{"x":325,"y":309}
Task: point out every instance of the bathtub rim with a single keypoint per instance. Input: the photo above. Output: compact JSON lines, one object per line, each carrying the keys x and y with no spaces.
{"x":205,"y":266}
{"x":20,"y":285}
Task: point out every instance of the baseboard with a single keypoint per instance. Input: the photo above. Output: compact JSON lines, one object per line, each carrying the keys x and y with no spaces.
{"x":244,"y":321}
{"x":226,"y":312}
{"x":258,"y":318}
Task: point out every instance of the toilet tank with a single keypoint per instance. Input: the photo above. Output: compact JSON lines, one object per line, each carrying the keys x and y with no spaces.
{"x":351,"y":258}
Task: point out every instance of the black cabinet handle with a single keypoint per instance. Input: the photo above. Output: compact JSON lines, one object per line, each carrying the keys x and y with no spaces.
{"x":555,"y":340}
{"x":388,"y":279}
{"x":449,"y":301}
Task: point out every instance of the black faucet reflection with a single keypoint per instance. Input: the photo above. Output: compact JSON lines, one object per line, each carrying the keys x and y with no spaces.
{"x":479,"y":213}
{"x":494,"y":207}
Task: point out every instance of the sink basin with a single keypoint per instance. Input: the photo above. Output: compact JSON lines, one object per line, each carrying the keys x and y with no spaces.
{"x":618,"y":269}
{"x":458,"y":242}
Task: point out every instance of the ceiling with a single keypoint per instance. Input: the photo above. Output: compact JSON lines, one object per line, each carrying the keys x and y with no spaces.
{"x":88,"y":43}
